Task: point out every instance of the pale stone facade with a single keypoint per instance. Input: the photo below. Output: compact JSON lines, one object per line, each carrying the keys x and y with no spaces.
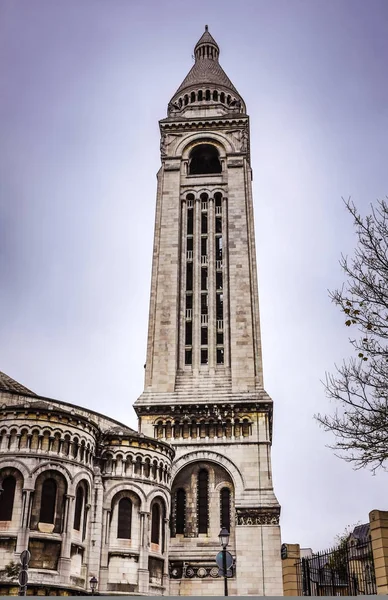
{"x":141,"y":511}
{"x":204,"y":383}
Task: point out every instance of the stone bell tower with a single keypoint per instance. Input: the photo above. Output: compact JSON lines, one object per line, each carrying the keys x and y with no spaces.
{"x":203,"y":388}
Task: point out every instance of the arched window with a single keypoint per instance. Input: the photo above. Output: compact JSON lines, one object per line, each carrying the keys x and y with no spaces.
{"x":203,"y":500}
{"x":6,"y":498}
{"x":215,"y":95}
{"x":245,"y":428}
{"x":192,"y":97}
{"x":48,"y":501}
{"x":180,"y":511}
{"x":124,"y":519}
{"x":79,"y":501}
{"x":155,"y":524}
{"x":225,"y":508}
{"x":204,"y":160}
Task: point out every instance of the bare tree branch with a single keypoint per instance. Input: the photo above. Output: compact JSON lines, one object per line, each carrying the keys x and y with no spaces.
{"x":359,"y":386}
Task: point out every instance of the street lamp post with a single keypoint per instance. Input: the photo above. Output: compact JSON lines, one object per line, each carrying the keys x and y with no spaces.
{"x":93,"y":584}
{"x":224,"y":541}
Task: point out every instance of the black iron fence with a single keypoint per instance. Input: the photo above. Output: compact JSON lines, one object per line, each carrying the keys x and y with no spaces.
{"x":347,"y":570}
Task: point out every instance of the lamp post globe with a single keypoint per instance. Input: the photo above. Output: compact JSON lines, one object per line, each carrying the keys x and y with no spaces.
{"x":93,"y":584}
{"x":223,"y":536}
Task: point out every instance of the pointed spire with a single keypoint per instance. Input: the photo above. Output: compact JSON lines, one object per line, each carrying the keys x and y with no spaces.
{"x":206,"y":47}
{"x":206,"y":70}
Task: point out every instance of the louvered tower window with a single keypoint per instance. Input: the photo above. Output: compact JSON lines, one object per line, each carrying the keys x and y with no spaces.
{"x":189,"y":280}
{"x":204,"y":279}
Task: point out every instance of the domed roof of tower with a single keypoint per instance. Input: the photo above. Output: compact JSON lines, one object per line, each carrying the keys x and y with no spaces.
{"x":206,"y":39}
{"x":206,"y":69}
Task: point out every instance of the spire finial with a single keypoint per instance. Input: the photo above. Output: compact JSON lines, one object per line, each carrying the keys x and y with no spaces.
{"x":206,"y":27}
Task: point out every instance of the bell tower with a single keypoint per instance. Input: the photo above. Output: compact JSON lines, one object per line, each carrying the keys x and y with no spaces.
{"x":203,"y":388}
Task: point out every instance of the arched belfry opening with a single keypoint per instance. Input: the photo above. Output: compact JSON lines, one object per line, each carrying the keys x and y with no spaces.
{"x":204,"y":160}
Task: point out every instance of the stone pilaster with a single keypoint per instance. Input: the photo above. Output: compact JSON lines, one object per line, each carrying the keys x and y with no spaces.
{"x":378,"y":520}
{"x":290,"y":570}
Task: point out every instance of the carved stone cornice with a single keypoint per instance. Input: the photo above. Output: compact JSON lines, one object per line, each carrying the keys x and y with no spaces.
{"x":203,"y":123}
{"x":210,"y":409}
{"x":257,"y":516}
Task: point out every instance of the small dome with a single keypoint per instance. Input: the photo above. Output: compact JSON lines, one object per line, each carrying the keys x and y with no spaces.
{"x":206,"y":70}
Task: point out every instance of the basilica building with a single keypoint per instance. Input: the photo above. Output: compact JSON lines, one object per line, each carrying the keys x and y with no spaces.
{"x":140,"y":512}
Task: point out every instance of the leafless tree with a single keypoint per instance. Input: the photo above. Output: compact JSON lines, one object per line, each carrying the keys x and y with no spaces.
{"x":359,"y":386}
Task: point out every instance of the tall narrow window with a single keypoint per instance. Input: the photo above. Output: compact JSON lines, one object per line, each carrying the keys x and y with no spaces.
{"x":189,"y":277}
{"x":203,"y":304}
{"x":180,"y":511}
{"x":204,"y":223}
{"x":203,"y":500}
{"x":7,"y":498}
{"x":204,"y":276}
{"x":155,"y":524}
{"x":204,"y":356}
{"x":219,"y":306}
{"x":190,"y":221}
{"x":124,"y":519}
{"x":218,"y":248}
{"x":79,"y":501}
{"x":225,"y":508}
{"x":48,"y":501}
{"x":189,"y":333}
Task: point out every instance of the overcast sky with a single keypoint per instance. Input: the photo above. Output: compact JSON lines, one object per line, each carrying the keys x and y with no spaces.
{"x":83,"y":84}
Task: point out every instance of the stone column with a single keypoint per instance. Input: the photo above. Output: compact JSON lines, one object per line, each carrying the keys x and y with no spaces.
{"x":166,"y":577}
{"x":96,"y":528}
{"x":378,"y":520}
{"x":64,"y":566}
{"x":143,"y":573}
{"x":289,"y":570}
{"x":23,"y":534}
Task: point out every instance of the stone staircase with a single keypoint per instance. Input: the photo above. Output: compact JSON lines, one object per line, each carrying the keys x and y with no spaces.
{"x":205,"y":384}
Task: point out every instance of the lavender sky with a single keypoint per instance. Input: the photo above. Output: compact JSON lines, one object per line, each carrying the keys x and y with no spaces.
{"x":83,"y":84}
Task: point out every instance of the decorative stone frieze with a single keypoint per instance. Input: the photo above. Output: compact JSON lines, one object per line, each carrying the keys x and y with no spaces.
{"x":257,"y":516}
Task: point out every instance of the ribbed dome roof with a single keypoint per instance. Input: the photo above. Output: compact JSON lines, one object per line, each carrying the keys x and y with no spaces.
{"x":7,"y":384}
{"x":206,"y":39}
{"x":206,"y":70}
